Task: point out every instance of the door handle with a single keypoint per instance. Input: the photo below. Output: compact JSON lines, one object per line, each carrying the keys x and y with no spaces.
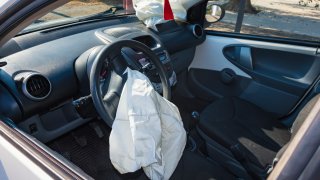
{"x":239,"y":54}
{"x":245,"y":58}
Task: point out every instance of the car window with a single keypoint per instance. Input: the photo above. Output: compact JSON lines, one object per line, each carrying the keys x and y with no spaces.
{"x":294,"y":19}
{"x":77,"y":9}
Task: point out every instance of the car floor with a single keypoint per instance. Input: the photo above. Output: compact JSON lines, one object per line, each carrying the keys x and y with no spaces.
{"x":88,"y":148}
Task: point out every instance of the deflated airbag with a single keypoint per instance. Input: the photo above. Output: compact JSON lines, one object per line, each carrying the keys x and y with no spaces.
{"x":147,"y":132}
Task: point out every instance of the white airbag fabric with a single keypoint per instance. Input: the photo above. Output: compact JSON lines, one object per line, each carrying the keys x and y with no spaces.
{"x":151,"y":11}
{"x":147,"y":132}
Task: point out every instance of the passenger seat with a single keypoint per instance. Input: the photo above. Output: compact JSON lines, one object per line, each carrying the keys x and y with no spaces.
{"x":250,"y":134}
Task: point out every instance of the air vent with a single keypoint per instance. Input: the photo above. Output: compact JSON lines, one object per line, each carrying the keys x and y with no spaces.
{"x":197,"y":30}
{"x":36,"y":86}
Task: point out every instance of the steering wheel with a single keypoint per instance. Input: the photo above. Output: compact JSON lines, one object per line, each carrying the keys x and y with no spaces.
{"x":106,"y":93}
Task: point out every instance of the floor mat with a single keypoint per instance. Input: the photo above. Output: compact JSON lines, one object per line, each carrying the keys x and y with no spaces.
{"x":88,"y":148}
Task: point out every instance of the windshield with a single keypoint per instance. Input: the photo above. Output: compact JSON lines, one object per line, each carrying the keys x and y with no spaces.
{"x":76,"y":10}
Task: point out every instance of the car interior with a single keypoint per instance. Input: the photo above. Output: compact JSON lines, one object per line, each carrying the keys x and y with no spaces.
{"x":242,"y":99}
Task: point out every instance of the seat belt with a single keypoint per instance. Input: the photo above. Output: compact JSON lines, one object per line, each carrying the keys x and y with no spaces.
{"x":241,"y":157}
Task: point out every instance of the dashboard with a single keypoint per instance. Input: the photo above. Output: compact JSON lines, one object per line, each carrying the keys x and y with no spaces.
{"x":49,"y":71}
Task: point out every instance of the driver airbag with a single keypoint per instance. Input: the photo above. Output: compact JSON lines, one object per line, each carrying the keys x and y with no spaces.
{"x":147,"y":132}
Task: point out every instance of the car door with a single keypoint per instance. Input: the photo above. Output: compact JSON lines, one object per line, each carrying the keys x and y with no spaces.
{"x":255,"y":64}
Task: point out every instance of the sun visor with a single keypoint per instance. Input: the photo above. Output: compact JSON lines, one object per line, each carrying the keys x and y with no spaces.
{"x":151,"y":12}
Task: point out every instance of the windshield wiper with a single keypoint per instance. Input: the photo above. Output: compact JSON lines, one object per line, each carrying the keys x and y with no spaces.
{"x":109,"y":12}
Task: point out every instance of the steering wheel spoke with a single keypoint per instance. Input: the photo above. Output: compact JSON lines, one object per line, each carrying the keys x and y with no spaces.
{"x":106,"y":96}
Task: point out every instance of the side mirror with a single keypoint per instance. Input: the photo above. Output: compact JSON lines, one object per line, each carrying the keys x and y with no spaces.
{"x":214,"y":13}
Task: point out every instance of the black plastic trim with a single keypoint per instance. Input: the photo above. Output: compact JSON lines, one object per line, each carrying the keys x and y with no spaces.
{"x":196,"y":14}
{"x":291,"y":86}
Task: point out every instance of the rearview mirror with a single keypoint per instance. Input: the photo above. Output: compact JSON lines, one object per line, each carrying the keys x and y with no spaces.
{"x":214,"y":13}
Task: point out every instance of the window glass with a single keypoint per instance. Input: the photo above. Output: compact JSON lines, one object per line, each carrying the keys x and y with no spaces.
{"x":78,"y":9}
{"x":294,"y":19}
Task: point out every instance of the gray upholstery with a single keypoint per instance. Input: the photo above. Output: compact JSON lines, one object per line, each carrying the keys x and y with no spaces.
{"x":299,"y":121}
{"x":231,"y":121}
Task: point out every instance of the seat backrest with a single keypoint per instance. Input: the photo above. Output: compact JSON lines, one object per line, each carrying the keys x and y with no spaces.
{"x":303,"y":143}
{"x":305,"y":111}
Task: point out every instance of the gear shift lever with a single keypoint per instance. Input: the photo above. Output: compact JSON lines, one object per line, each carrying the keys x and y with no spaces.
{"x":196,"y":116}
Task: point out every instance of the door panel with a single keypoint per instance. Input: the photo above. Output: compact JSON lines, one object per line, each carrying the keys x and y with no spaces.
{"x":288,"y":71}
{"x":271,"y":75}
